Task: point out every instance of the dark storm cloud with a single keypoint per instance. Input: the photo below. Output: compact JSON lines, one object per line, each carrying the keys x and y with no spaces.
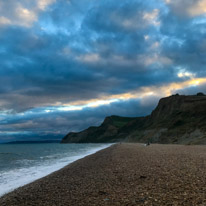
{"x":65,"y":51}
{"x":74,"y":47}
{"x":185,"y":36}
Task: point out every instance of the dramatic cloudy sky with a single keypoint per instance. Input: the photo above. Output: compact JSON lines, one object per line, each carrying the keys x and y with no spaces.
{"x":66,"y":64}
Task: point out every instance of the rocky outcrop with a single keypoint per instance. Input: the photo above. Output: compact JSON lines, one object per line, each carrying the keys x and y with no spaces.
{"x":176,"y":119}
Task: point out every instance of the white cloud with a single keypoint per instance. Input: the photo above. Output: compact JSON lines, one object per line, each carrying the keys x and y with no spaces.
{"x":187,"y":7}
{"x":4,"y":20}
{"x":25,"y":17}
{"x":138,"y":20}
{"x":146,"y":37}
{"x":21,"y":12}
{"x":154,"y":59}
{"x":155,"y":45}
{"x":43,"y":4}
{"x":152,"y":17}
{"x":89,"y":58}
{"x":184,"y":73}
{"x":198,"y":8}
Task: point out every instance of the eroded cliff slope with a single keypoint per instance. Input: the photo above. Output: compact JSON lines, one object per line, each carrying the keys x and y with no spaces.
{"x":176,"y":119}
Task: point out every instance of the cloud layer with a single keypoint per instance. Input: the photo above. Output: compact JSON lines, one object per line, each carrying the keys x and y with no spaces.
{"x":94,"y":58}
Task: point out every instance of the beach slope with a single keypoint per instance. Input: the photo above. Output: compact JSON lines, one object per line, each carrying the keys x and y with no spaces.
{"x":123,"y":174}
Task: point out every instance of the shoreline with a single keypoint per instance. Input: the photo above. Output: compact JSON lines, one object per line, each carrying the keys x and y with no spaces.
{"x":122,"y":174}
{"x":42,"y":170}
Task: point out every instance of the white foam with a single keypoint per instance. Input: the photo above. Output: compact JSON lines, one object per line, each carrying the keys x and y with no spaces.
{"x":13,"y":179}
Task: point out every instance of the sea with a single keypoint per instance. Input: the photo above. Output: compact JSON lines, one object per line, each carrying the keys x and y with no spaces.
{"x":21,"y":164}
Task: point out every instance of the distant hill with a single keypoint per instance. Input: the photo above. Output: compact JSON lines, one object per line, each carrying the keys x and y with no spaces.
{"x":176,"y":119}
{"x":106,"y":132}
{"x":33,"y":142}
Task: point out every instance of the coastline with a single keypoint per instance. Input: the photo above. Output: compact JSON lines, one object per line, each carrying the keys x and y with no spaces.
{"x":122,"y":174}
{"x":23,"y":175}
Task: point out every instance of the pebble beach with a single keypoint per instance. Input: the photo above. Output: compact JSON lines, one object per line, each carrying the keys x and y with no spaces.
{"x":123,"y":174}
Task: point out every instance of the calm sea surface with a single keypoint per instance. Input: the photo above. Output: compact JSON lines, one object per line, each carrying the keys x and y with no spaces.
{"x":24,"y":163}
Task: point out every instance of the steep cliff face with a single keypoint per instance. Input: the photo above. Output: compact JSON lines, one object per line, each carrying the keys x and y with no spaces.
{"x":176,"y":119}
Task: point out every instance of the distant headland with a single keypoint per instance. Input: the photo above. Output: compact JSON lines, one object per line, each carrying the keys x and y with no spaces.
{"x":177,"y":119}
{"x":32,"y":142}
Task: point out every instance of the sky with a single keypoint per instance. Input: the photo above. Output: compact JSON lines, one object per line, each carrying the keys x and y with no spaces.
{"x":66,"y":64}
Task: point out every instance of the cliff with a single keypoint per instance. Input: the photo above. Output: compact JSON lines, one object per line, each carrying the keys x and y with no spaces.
{"x":106,"y":132}
{"x":176,"y":119}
